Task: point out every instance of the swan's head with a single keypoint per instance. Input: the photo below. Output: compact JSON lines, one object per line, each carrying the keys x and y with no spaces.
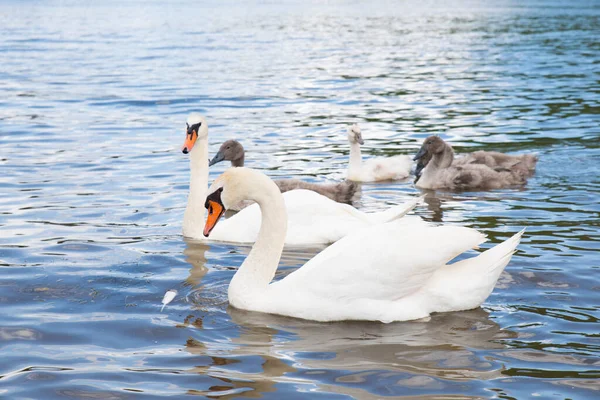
{"x":232,"y":187}
{"x":231,"y":150}
{"x":432,"y":145}
{"x":196,"y":128}
{"x":355,"y":135}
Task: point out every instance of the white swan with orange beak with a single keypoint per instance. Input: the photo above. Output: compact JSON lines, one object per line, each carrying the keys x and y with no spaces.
{"x":313,"y":219}
{"x":381,"y":273}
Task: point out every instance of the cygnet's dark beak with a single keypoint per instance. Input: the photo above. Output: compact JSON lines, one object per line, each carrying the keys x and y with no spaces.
{"x":419,"y":168}
{"x":217,"y":158}
{"x":360,"y":140}
{"x":420,"y":154}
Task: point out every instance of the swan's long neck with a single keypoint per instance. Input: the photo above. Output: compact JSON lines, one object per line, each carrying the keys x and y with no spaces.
{"x":193,"y":218}
{"x":258,"y":270}
{"x":355,"y":157}
{"x":443,"y":159}
{"x":438,"y":162}
{"x":238,"y":162}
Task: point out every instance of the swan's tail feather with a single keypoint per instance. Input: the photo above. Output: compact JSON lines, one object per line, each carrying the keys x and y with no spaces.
{"x":522,"y":168}
{"x":395,"y":212}
{"x":500,"y":251}
{"x":494,"y":260}
{"x":527,"y":164}
{"x":342,"y":192}
{"x":346,"y":191}
{"x":466,"y":284}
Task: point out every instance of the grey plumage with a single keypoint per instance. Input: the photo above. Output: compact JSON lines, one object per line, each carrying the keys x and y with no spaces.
{"x":341,"y":192}
{"x":524,"y":163}
{"x":479,"y":170}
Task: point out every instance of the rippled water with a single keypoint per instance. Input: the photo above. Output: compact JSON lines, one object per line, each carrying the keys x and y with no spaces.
{"x":93,"y":187}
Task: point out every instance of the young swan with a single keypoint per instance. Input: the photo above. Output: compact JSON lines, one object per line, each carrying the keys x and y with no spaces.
{"x":479,"y":170}
{"x":342,"y":192}
{"x":374,"y":169}
{"x":390,"y":272}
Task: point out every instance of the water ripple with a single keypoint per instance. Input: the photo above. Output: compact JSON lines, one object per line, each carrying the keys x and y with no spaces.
{"x":94,"y":186}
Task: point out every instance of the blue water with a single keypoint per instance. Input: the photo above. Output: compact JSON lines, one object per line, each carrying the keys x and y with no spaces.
{"x":93,"y":102}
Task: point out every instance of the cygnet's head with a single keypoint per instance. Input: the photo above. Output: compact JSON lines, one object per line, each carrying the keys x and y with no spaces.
{"x":355,"y":134}
{"x":232,"y":187}
{"x":432,"y":145}
{"x":231,"y":150}
{"x":196,"y":128}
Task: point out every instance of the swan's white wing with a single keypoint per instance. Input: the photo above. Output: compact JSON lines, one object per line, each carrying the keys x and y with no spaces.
{"x":382,"y":168}
{"x":384,"y":262}
{"x":312,"y":219}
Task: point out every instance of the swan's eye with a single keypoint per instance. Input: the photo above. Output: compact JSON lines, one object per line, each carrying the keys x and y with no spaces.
{"x":195,"y":127}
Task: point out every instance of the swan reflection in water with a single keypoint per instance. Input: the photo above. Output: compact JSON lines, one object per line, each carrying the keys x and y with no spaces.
{"x":195,"y":255}
{"x":449,"y":346}
{"x":443,"y":342}
{"x":444,"y":206}
{"x":249,"y":353}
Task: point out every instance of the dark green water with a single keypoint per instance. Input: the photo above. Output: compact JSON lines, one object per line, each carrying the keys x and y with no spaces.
{"x":93,"y":101}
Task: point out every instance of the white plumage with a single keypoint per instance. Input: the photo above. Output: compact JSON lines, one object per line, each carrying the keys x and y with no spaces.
{"x":374,"y":169}
{"x":388,"y":272}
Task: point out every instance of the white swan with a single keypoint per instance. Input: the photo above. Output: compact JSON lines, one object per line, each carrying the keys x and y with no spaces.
{"x":313,"y":219}
{"x":374,"y":169}
{"x":383,"y":273}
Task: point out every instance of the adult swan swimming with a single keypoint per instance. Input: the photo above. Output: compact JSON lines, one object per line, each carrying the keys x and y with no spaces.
{"x":313,"y":218}
{"x":382,"y":273}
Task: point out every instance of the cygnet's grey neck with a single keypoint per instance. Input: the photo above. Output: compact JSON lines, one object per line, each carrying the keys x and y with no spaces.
{"x":443,"y":159}
{"x":238,"y":161}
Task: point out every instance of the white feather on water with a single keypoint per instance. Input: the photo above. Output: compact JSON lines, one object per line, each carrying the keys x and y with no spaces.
{"x":169,"y":296}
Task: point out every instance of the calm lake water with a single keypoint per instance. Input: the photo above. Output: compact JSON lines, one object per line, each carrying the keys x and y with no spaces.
{"x":93,"y":102}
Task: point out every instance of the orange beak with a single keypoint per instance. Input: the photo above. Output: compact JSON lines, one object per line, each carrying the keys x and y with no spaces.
{"x":215,"y":210}
{"x":190,"y":139}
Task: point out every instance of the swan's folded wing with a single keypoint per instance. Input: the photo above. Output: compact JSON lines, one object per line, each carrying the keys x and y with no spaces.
{"x":383,"y":168}
{"x":387,"y":262}
{"x":312,"y":219}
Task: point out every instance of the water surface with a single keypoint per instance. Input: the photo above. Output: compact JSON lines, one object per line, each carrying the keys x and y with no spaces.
{"x":93,"y":187}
